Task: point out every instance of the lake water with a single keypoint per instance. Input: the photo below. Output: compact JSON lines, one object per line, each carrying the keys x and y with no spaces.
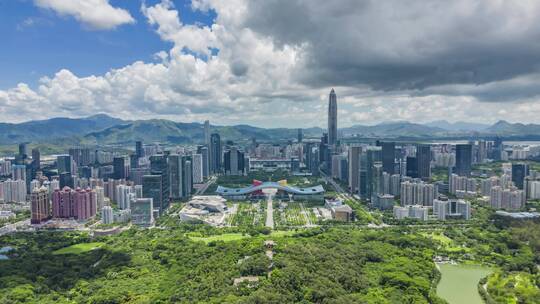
{"x":459,"y":283}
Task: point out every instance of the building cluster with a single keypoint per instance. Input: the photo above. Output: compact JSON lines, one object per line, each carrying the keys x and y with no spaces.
{"x":462,"y":186}
{"x":418,"y":193}
{"x":511,"y":190}
{"x":137,"y":186}
{"x":453,"y":208}
{"x":411,"y":211}
{"x":339,"y":211}
{"x":140,"y":185}
{"x":85,"y":182}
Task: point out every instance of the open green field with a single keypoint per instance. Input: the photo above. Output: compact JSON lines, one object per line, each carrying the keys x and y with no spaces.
{"x":79,"y":248}
{"x":447,"y":244}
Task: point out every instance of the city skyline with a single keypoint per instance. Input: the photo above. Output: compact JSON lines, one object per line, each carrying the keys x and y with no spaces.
{"x":197,"y":60}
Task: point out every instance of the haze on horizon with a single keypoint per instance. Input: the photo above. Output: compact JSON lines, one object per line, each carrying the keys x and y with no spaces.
{"x":271,"y":63}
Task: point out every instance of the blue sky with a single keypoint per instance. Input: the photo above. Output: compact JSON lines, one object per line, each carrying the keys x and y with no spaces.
{"x":38,"y":42}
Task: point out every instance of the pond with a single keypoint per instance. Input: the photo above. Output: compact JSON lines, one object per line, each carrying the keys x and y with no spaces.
{"x":459,"y":283}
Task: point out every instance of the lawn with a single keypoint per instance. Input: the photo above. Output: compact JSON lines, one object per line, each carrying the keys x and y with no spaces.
{"x":79,"y":248}
{"x":443,"y":239}
{"x":447,"y":243}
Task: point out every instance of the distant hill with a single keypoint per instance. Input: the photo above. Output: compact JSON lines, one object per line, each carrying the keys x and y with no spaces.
{"x":513,"y":129}
{"x":394,"y":129}
{"x":457,"y":126}
{"x":103,"y":129}
{"x":40,"y":130}
{"x":160,"y":130}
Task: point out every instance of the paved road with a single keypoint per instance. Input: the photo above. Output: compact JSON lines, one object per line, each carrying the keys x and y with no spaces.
{"x":206,"y":185}
{"x":269,"y":212}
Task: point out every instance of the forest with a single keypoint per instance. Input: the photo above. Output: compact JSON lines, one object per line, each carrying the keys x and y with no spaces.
{"x":327,"y":264}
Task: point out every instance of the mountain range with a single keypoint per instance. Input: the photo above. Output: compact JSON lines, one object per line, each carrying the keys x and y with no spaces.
{"x":103,"y":129}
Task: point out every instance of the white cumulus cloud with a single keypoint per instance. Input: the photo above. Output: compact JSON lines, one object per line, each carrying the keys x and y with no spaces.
{"x":272,"y":63}
{"x":96,"y":14}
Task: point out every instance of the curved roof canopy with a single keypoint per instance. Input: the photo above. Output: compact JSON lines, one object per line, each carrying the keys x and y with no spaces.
{"x":269,"y":185}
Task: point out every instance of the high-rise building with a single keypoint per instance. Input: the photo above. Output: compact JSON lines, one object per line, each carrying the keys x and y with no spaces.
{"x":123,"y":196}
{"x":461,"y":183}
{"x":215,"y":153}
{"x":234,"y":161}
{"x":107,"y":215}
{"x":207,"y":132}
{"x":139,"y":151}
{"x":19,"y":172}
{"x":197,"y":164}
{"x":395,"y":184}
{"x":332,"y":118}
{"x":13,"y":191}
{"x":119,"y":167}
{"x":76,"y":155}
{"x":498,"y":149}
{"x":444,"y":209}
{"x":187,"y":176}
{"x":463,"y":159}
{"x":40,"y":207}
{"x":5,"y":167}
{"x":175,"y":176}
{"x":100,"y":197}
{"x":36,"y":159}
{"x":519,"y":172}
{"x":411,"y":167}
{"x":63,"y":163}
{"x":377,"y":181}
{"x":388,"y":157}
{"x":159,"y":166}
{"x":78,"y":204}
{"x":418,"y":193}
{"x":354,"y":168}
{"x":368,"y":159}
{"x":300,"y":136}
{"x":510,"y":199}
{"x":482,"y":151}
{"x":23,"y":153}
{"x":152,"y":188}
{"x":142,"y":212}
{"x":423,"y":159}
{"x":411,"y":211}
{"x":203,"y":151}
{"x":66,"y":180}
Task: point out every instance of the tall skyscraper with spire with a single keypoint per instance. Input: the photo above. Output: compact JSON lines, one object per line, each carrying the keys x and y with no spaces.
{"x":332,"y":118}
{"x":206,"y":132}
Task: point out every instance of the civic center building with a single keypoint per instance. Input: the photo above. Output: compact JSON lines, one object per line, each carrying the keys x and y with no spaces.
{"x":284,"y":191}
